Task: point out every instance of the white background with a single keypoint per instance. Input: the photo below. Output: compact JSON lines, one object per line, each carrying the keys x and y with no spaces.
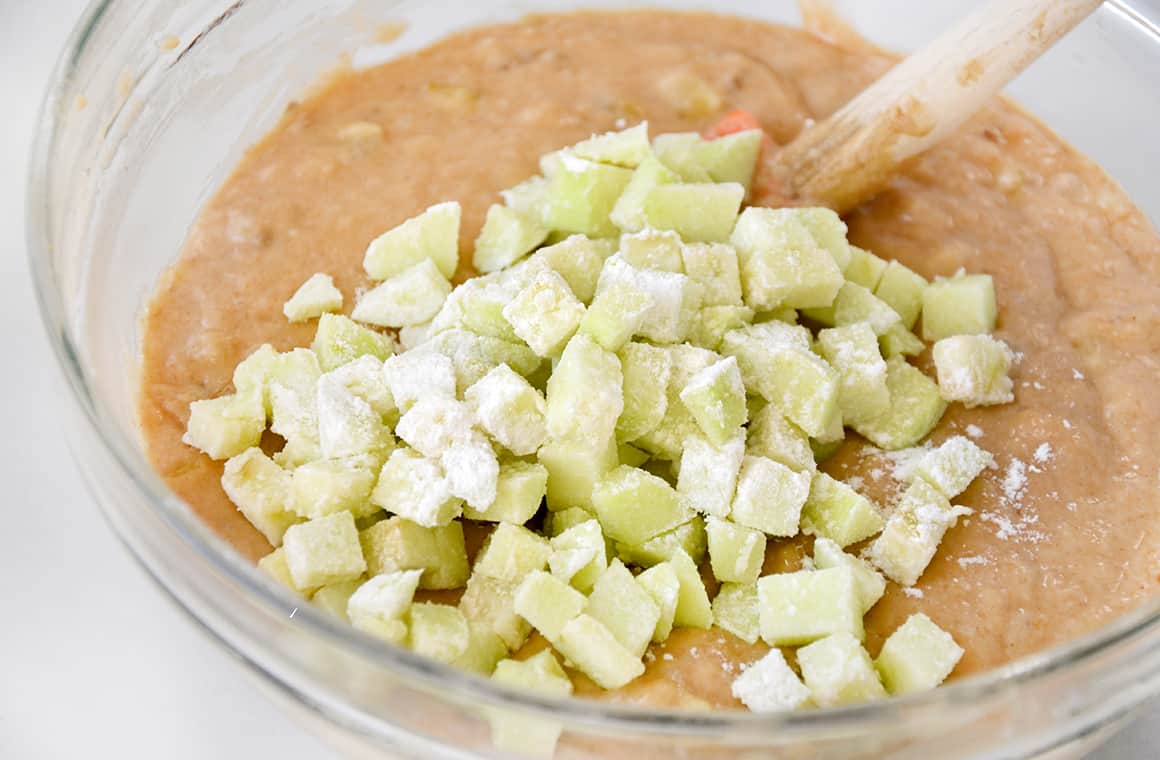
{"x":94,"y":662}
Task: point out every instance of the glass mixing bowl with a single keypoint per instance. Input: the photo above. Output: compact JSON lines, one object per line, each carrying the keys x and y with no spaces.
{"x":150,"y":107}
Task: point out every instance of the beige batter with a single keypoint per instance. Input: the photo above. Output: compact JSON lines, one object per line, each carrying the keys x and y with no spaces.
{"x":1064,"y":535}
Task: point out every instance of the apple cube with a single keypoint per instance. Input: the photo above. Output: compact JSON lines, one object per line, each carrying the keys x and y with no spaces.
{"x":438,"y":631}
{"x":715,"y":397}
{"x":912,"y":534}
{"x":416,"y":374}
{"x":414,"y":335}
{"x":506,"y":237}
{"x":294,"y":416}
{"x":698,"y":212}
{"x":519,"y":491}
{"x":313,"y":298}
{"x":378,"y":606}
{"x":802,"y":385}
{"x":676,"y":300}
{"x":828,"y":231}
{"x":774,"y":437}
{"x":628,"y":147}
{"x":484,"y":650}
{"x":526,"y":736}
{"x":708,"y":474}
{"x":556,"y":523}
{"x":959,"y":305}
{"x":595,"y":651}
{"x":510,"y":410}
{"x":663,"y":585}
{"x":616,"y":315}
{"x":853,"y":351}
{"x":511,"y":552}
{"x":736,"y":609}
{"x":226,"y":426}
{"x":347,"y":425}
{"x":399,"y":544}
{"x":770,"y":685}
{"x":646,"y":371}
{"x":693,"y":607}
{"x":489,"y":603}
{"x":274,"y":565}
{"x":574,"y":467}
{"x":915,"y":408}
{"x":756,"y":345}
{"x":836,"y":511}
{"x":871,"y":585}
{"x":547,"y":603}
{"x":653,"y":249}
{"x":854,"y":303}
{"x":364,"y":378}
{"x":838,"y":671}
{"x":689,"y":539}
{"x":254,"y":372}
{"x":433,"y":424}
{"x":902,"y":288}
{"x":582,"y":194}
{"x":473,"y":356}
{"x":433,"y":235}
{"x":715,"y":267}
{"x":628,"y":213}
{"x":411,"y":297}
{"x":918,"y":656}
{"x":335,"y":597}
{"x":477,"y":305}
{"x":678,"y":151}
{"x":769,"y":496}
{"x":667,"y":440}
{"x":730,"y":158}
{"x":260,"y":489}
{"x":584,"y":392}
{"x":736,"y":553}
{"x":528,"y":197}
{"x":953,"y":465}
{"x":633,"y":505}
{"x":625,"y":609}
{"x":716,"y":322}
{"x":781,"y":263}
{"x":579,"y":555}
{"x":471,"y":469}
{"x":324,"y":550}
{"x":797,"y":608}
{"x":865,"y":268}
{"x":326,"y":486}
{"x":972,"y":369}
{"x":898,"y":341}
{"x":414,"y":487}
{"x":545,"y":314}
{"x":576,"y":258}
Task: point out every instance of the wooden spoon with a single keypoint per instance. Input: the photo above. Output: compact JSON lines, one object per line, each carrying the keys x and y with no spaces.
{"x":851,"y":155}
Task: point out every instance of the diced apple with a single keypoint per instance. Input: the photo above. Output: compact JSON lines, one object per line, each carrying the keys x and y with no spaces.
{"x":579,"y":555}
{"x":547,"y":603}
{"x":364,"y":378}
{"x":335,"y":597}
{"x":510,"y":410}
{"x":836,"y":511}
{"x":678,"y":151}
{"x":594,"y":650}
{"x":347,"y":425}
{"x":854,"y":303}
{"x":731,"y":158}
{"x":769,"y":496}
{"x":676,"y":300}
{"x":324,"y":550}
{"x":800,"y":607}
{"x":769,"y":685}
{"x":260,"y":489}
{"x":526,"y":736}
{"x":756,"y":345}
{"x":511,"y":552}
{"x":689,"y":539}
{"x":693,"y":607}
{"x":634,"y":506}
{"x":646,"y":372}
{"x":628,"y":213}
{"x":853,"y":351}
{"x":315,"y":297}
{"x":653,"y":249}
{"x":736,"y":552}
{"x":774,"y":437}
{"x":399,"y":544}
{"x":871,"y":584}
{"x":528,"y":197}
{"x":415,"y":374}
{"x":828,"y":231}
{"x":582,"y":194}
{"x":411,"y":297}
{"x":698,"y":212}
{"x":378,"y":606}
{"x":708,"y":474}
{"x":913,"y":532}
{"x":506,"y":237}
{"x":715,"y":397}
{"x":716,"y":322}
{"x":898,"y":341}
{"x":414,"y":487}
{"x":432,"y":425}
{"x":626,"y":609}
{"x":471,"y":469}
{"x":519,"y":491}
{"x":973,"y":369}
{"x":902,"y":288}
{"x":667,"y":440}
{"x":226,"y":426}
{"x":616,"y":314}
{"x":781,"y":263}
{"x":489,"y":603}
{"x":918,"y":656}
{"x":254,"y":372}
{"x":584,"y":392}
{"x":661,"y":583}
{"x":477,"y":305}
{"x":438,"y":631}
{"x":715,"y":267}
{"x":865,"y":268}
{"x":473,"y":356}
{"x":915,"y":408}
{"x":484,"y":650}
{"x":433,"y":235}
{"x":959,"y":305}
{"x":627,"y":148}
{"x":556,"y":523}
{"x":576,"y":258}
{"x":274,"y":565}
{"x":574,"y":467}
{"x":953,"y":465}
{"x":838,"y":671}
{"x":736,"y":609}
{"x":326,"y":486}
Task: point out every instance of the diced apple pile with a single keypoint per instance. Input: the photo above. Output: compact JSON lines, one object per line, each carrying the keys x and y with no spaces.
{"x":628,"y":396}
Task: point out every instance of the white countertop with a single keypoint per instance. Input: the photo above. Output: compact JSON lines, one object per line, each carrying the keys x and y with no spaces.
{"x":94,"y":661}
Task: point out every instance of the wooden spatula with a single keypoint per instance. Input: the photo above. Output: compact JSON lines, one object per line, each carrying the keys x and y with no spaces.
{"x":849,"y":156}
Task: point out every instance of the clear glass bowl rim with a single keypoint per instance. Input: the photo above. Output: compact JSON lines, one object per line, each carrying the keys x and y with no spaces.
{"x":1142,"y":623}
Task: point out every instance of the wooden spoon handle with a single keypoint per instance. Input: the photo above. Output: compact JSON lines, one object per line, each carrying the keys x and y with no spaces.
{"x":849,"y":156}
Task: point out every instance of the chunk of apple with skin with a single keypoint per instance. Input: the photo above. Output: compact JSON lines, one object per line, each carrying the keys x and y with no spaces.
{"x":579,"y":555}
{"x":646,"y":370}
{"x":953,"y":465}
{"x":511,"y":552}
{"x":715,"y":267}
{"x":715,"y":397}
{"x":582,"y":194}
{"x":414,"y":487}
{"x":520,"y":489}
{"x":521,"y":735}
{"x":510,"y":410}
{"x":736,"y":553}
{"x":398,"y":544}
{"x":627,"y":147}
{"x":594,"y":650}
{"x":547,"y":603}
{"x":574,"y":467}
{"x":664,"y":586}
{"x":781,"y":263}
{"x":313,"y":298}
{"x":634,"y":506}
{"x":584,"y":392}
{"x":628,"y":213}
{"x":838,"y":671}
{"x":624,"y":608}
{"x":378,"y":606}
{"x":506,"y":237}
{"x":871,"y":584}
{"x":959,"y":305}
{"x":689,"y":539}
{"x":438,"y":631}
{"x":433,"y":235}
{"x":736,"y":609}
{"x":226,"y":426}
{"x":323,"y":551}
{"x":973,"y":370}
{"x":616,"y":315}
{"x":774,"y":437}
{"x":698,"y":212}
{"x":769,"y":496}
{"x":918,"y":656}
{"x":853,"y":351}
{"x":836,"y":511}
{"x":694,"y":609}
{"x":913,"y":532}
{"x":653,"y":249}
{"x":261,"y":490}
{"x":902,"y":288}
{"x":411,"y":297}
{"x":708,"y":474}
{"x":489,"y":603}
{"x":915,"y":408}
{"x":807,"y":605}
{"x":770,"y":685}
